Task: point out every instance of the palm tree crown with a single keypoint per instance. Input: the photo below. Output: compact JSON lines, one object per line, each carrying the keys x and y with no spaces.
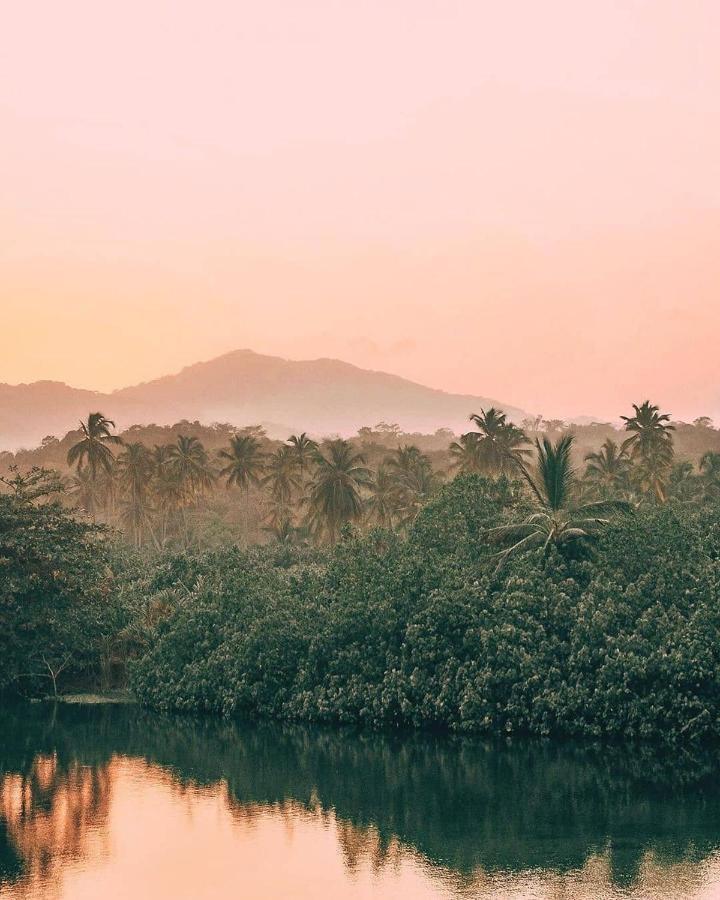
{"x":650,"y":446}
{"x":411,"y":473}
{"x":557,"y":518}
{"x":465,"y":455}
{"x":608,"y":468}
{"x":92,"y":449}
{"x":244,"y":461}
{"x":500,"y":443}
{"x":187,"y":462}
{"x":303,"y":449}
{"x":334,"y":490}
{"x":135,"y":470}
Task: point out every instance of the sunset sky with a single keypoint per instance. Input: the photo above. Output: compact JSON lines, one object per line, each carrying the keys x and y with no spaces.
{"x":518,"y":199}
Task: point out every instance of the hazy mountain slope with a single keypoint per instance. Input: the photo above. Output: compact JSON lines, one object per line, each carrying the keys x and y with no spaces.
{"x":320,"y":396}
{"x":28,"y":412}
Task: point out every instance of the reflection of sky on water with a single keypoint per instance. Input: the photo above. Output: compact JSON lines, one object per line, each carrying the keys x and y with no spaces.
{"x":116,"y":804}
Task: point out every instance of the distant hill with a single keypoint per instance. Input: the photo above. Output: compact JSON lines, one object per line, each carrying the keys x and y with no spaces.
{"x":322,"y":396}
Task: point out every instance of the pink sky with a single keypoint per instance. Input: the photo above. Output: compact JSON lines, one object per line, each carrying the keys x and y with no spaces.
{"x":519,"y":199}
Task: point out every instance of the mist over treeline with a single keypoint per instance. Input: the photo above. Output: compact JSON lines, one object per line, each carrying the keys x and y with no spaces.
{"x":193,"y":484}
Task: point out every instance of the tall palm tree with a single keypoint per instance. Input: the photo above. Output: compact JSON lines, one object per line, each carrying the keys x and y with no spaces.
{"x":384,"y":502}
{"x":169,"y":493}
{"x":244,"y":464}
{"x":414,"y":479}
{"x":85,"y":489}
{"x":465,"y":455}
{"x":650,"y":446}
{"x":334,"y":491}
{"x":188,"y":462}
{"x":557,"y":518}
{"x":135,"y":473}
{"x":93,"y":450}
{"x":683,"y":484}
{"x":188,"y":468}
{"x":500,"y":443}
{"x":608,"y":468}
{"x":303,"y":449}
{"x":710,"y":473}
{"x":244,"y":461}
{"x":283,"y":479}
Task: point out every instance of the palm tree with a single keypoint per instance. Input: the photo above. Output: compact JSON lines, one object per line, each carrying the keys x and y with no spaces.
{"x":683,"y":483}
{"x":169,"y":492}
{"x":334,"y":495}
{"x":608,"y":468}
{"x":710,"y":473}
{"x":135,"y":472}
{"x":244,"y":463}
{"x":189,"y":473}
{"x":500,"y":443}
{"x":557,"y":519}
{"x":303,"y":449}
{"x":92,"y":449}
{"x":188,"y":462}
{"x":384,"y":502}
{"x":650,"y":446}
{"x":84,"y":487}
{"x":465,"y":455}
{"x":283,"y":480}
{"x":414,"y":479}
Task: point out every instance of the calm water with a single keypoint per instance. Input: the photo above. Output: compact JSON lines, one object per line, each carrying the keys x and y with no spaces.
{"x":112,"y":802}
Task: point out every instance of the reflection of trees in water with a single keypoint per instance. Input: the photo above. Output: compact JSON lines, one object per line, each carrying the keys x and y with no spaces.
{"x":463,"y":806}
{"x":48,"y":810}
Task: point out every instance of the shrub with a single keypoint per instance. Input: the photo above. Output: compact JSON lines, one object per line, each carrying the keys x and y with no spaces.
{"x":422,"y":631}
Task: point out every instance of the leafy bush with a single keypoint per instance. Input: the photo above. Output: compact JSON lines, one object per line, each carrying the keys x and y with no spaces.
{"x":422,"y":631}
{"x":56,"y":607}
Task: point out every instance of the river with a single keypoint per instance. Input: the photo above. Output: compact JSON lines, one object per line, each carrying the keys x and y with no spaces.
{"x":106,"y":802}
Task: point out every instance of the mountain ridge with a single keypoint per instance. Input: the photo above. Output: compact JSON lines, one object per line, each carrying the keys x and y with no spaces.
{"x":323,"y":396}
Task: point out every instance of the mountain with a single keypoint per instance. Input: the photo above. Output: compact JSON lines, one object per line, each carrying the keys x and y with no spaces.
{"x":322,"y":396}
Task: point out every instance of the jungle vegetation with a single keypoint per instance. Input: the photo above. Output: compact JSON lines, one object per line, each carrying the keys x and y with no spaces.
{"x":509,"y":580}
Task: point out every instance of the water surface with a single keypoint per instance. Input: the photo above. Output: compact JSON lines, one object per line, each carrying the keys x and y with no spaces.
{"x":115,"y":802}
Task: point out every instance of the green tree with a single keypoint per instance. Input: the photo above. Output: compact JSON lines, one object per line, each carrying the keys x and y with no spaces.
{"x":188,"y":461}
{"x":244,"y":462}
{"x":465,"y":455}
{"x":187,"y":465}
{"x":557,"y":519}
{"x":710,"y":474}
{"x":501,"y":445}
{"x":282,"y":478}
{"x":135,"y":476}
{"x":384,"y":502}
{"x":683,"y":484}
{"x":415,"y":482}
{"x":650,"y":446}
{"x":93,"y":452}
{"x":53,"y":589}
{"x":303,"y":449}
{"x":334,"y":491}
{"x":608,"y":469}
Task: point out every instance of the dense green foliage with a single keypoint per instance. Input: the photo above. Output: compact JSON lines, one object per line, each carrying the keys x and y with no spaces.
{"x":530,"y":598}
{"x":191,"y":486}
{"x":55,"y":612}
{"x":422,"y":631}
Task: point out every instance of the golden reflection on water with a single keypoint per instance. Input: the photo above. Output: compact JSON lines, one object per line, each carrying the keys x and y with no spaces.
{"x":127,"y":830}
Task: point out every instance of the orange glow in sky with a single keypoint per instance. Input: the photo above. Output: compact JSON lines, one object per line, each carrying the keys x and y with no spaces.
{"x":518,"y":199}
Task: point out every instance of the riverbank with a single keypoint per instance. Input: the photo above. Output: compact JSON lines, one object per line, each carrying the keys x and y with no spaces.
{"x":423,"y":632}
{"x":95,"y":699}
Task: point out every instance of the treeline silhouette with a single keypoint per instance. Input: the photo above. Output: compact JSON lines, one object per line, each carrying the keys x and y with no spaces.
{"x":193,"y":485}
